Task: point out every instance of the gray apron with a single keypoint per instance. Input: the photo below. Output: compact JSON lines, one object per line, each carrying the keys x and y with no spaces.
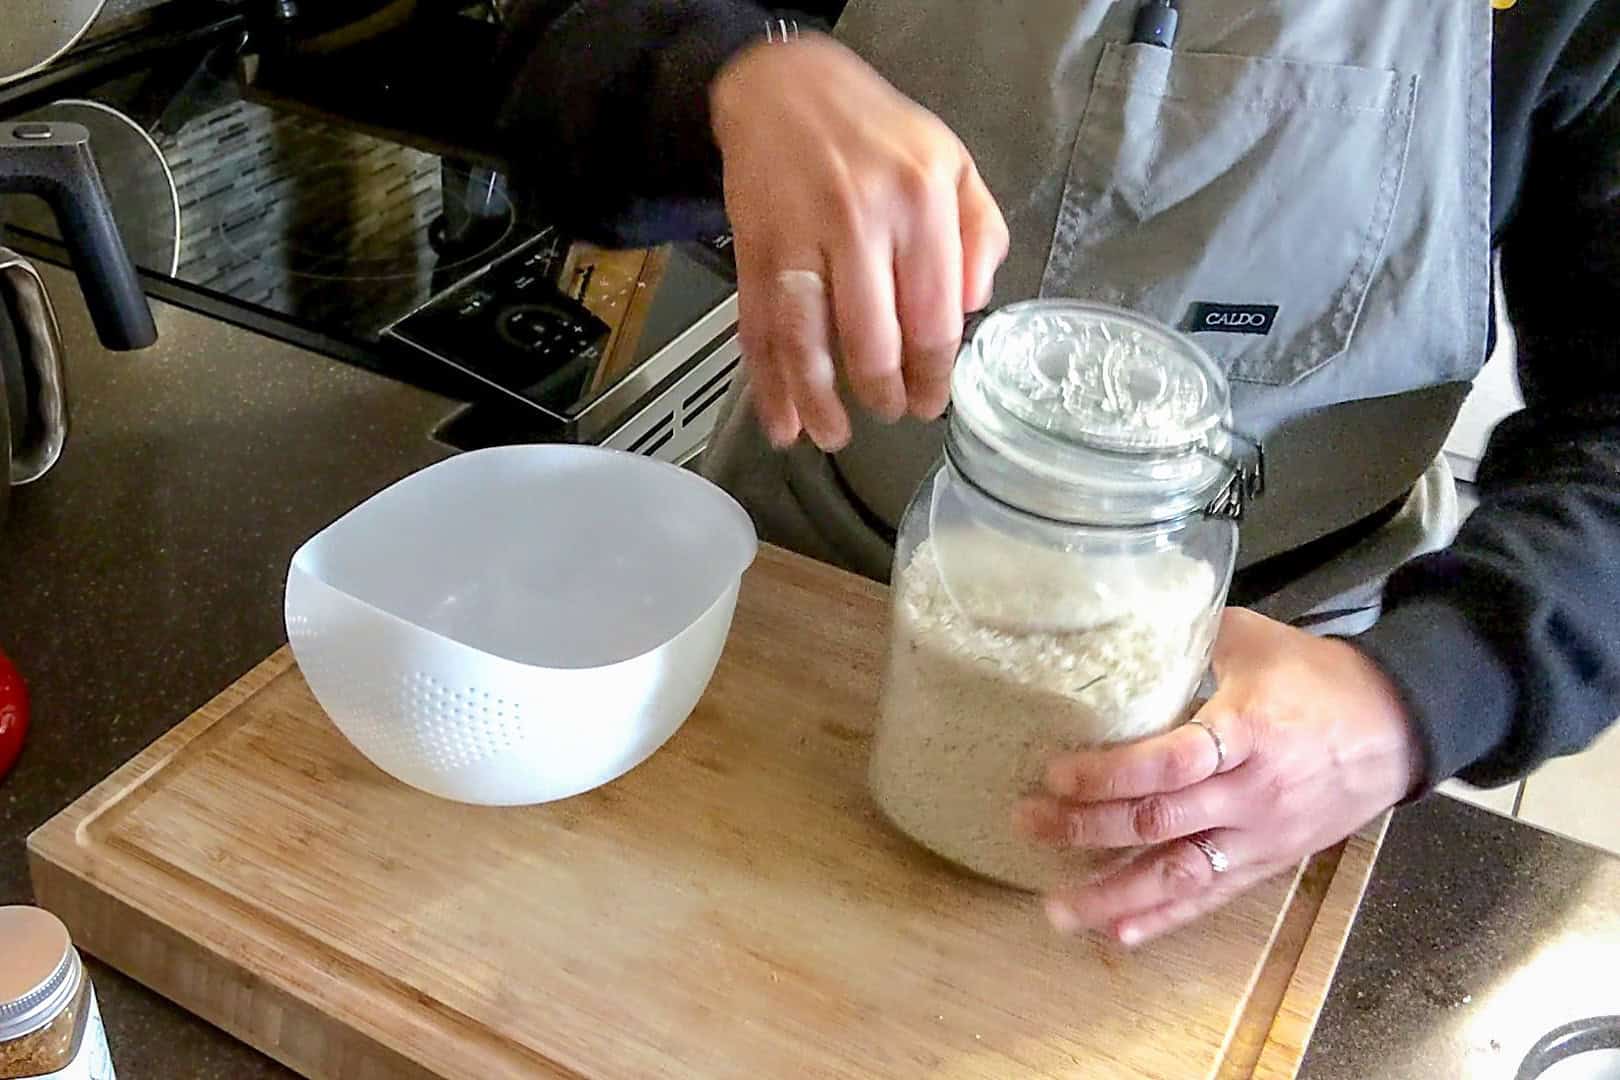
{"x":1301,"y":184}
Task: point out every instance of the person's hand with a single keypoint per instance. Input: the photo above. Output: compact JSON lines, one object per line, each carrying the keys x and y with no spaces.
{"x":1316,"y":744}
{"x":861,"y":227}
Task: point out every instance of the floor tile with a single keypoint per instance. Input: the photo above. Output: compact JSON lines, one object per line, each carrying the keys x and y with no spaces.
{"x":1579,"y":796}
{"x":1500,"y":799}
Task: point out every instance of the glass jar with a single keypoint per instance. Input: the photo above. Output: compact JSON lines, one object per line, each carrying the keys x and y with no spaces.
{"x":50,"y":1026}
{"x":1059,"y":577}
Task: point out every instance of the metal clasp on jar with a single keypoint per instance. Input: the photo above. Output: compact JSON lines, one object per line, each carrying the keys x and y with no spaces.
{"x":1248,"y":481}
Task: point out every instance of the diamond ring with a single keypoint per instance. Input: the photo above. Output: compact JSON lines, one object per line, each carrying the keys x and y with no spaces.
{"x":1218,"y":862}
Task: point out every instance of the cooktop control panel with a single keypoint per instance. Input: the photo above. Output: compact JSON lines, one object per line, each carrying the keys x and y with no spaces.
{"x":513,"y":328}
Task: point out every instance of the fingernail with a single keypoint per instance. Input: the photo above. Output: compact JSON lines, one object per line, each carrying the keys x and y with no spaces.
{"x":1130,"y":936}
{"x":1041,"y":822}
{"x":1063,"y":918}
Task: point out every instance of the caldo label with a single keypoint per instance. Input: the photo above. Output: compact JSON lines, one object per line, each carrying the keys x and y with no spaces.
{"x":1235,"y":320}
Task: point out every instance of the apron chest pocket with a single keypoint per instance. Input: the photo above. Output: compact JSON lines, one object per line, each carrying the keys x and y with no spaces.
{"x":1245,"y":200}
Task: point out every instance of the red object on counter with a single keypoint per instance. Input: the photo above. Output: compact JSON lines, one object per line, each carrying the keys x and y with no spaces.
{"x":13,"y":714}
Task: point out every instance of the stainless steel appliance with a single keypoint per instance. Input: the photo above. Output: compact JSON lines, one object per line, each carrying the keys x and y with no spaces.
{"x":53,"y":163}
{"x":334,"y":194}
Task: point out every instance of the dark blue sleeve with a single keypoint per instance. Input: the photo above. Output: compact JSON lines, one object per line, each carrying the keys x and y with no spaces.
{"x":1507,"y":645}
{"x":605,"y":124}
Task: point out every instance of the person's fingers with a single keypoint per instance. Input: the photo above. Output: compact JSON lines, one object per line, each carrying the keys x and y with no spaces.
{"x":928,"y":294}
{"x":1177,"y":871}
{"x":1123,"y":823}
{"x":767,"y":390}
{"x":1139,"y":929}
{"x":773,"y":403}
{"x":1170,"y":762}
{"x":863,"y":297}
{"x":984,"y":239}
{"x":800,"y":350}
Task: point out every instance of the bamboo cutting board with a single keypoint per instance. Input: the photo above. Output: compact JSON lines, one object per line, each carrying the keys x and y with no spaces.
{"x":732,"y":908}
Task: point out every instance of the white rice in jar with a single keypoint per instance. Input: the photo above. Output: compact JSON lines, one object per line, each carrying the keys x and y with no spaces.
{"x":974,"y":709}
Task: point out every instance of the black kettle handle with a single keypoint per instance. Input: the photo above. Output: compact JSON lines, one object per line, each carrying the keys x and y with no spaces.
{"x":54,"y":161}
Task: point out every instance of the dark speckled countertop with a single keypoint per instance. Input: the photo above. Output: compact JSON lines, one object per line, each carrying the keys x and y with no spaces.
{"x":146,"y":573}
{"x":1478,"y":934}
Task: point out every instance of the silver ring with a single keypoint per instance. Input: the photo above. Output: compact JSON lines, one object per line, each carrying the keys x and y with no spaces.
{"x":1220,"y":744}
{"x":802,"y":283}
{"x":1218,"y":862}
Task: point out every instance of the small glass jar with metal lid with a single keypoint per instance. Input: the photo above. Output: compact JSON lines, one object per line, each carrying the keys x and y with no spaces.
{"x":50,"y":1025}
{"x":1059,"y":578}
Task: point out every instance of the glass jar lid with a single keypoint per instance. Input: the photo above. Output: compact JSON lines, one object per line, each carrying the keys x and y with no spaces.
{"x":39,"y":970}
{"x":1099,"y":376}
{"x":1089,"y":413}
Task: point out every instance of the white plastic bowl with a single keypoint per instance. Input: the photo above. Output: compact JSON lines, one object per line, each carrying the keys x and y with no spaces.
{"x":519,"y":624}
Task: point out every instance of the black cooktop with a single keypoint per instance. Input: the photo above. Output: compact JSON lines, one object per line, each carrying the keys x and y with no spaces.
{"x":324,"y":188}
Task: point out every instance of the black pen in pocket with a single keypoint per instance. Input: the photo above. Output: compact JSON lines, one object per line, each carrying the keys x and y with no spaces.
{"x":1156,"y":23}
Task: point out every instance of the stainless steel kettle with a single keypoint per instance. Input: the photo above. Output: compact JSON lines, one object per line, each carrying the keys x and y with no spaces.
{"x":54,"y":162}
{"x":30,"y":371}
